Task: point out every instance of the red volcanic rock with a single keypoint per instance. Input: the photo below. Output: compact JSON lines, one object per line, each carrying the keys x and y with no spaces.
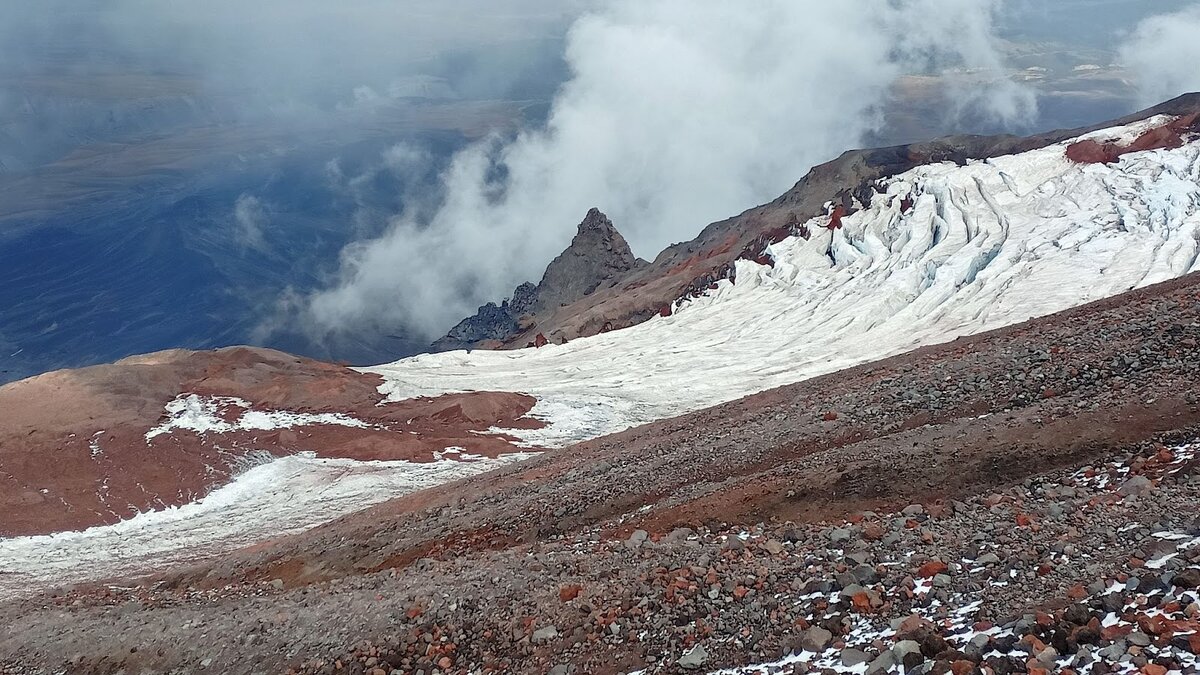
{"x":1166,"y":137}
{"x":907,"y":204}
{"x":1093,"y":152}
{"x":665,"y":311}
{"x":931,"y":569}
{"x":569,"y":592}
{"x":540,"y":341}
{"x":835,"y":218}
{"x":74,"y":451}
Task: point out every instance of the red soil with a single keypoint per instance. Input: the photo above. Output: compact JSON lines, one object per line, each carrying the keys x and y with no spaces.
{"x":73,"y":452}
{"x":1166,"y":137}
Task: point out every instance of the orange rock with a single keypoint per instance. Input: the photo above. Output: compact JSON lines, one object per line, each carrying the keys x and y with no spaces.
{"x":1034,"y":643}
{"x":1024,"y":520}
{"x":1077,"y":592}
{"x":962,"y":667}
{"x":861,"y":602}
{"x":1153,"y":669}
{"x":931,"y":568}
{"x":569,"y":592}
{"x":1112,"y":633}
{"x":1152,"y":625}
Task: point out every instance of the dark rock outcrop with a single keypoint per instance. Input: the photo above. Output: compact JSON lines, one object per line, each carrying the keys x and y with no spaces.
{"x":598,"y":257}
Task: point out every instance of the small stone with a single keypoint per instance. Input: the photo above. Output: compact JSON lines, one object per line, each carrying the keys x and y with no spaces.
{"x":1138,"y":638}
{"x":277,"y":584}
{"x":883,"y":663}
{"x":815,"y":639}
{"x":853,"y":657}
{"x":988,"y":559}
{"x":774,"y":547}
{"x":907,"y":653}
{"x":1136,"y":486}
{"x":543,"y":635}
{"x":840,"y":535}
{"x":695,"y":658}
{"x":636,"y":539}
{"x":1189,"y":578}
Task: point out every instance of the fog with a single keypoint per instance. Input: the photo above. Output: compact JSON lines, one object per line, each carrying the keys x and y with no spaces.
{"x":676,"y":113}
{"x":1163,"y":53}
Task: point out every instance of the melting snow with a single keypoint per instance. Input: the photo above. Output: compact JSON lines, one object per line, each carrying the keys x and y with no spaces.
{"x":281,"y":496}
{"x":986,"y":245}
{"x":202,"y":414}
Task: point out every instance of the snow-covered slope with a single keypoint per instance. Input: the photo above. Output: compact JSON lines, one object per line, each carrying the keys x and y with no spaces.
{"x":275,"y":497}
{"x":982,"y":246}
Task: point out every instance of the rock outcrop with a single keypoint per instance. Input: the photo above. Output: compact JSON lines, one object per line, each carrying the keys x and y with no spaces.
{"x":598,"y":257}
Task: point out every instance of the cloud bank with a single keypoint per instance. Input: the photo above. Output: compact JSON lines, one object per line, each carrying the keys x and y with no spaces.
{"x":1163,"y":53}
{"x":676,"y":113}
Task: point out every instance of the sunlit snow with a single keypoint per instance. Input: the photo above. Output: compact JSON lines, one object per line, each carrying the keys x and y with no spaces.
{"x":986,"y":245}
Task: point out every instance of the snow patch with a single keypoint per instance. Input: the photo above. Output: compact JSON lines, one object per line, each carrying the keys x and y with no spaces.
{"x":207,"y":414}
{"x":272,"y":498}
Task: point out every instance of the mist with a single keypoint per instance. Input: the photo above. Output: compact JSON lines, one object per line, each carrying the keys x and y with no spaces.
{"x":74,"y":70}
{"x":1162,"y":53}
{"x":675,"y":114}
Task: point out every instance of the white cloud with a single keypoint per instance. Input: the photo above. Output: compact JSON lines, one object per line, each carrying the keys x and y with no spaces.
{"x":677,"y":113}
{"x":1163,"y":53}
{"x":249,"y":219}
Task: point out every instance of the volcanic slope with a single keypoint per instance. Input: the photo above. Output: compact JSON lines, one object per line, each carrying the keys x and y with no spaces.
{"x":1029,"y":495}
{"x":943,"y":250}
{"x":940,"y":251}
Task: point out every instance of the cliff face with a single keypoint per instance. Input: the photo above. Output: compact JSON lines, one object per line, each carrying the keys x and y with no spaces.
{"x":597,"y":258}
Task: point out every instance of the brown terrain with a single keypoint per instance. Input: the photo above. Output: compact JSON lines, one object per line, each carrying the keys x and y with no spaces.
{"x":93,"y":423}
{"x":1046,"y":471}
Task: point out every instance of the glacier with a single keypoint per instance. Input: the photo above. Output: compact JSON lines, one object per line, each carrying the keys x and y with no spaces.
{"x":985,"y":245}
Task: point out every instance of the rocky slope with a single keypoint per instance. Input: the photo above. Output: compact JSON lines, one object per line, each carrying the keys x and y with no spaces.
{"x":1022,"y":500}
{"x":936,"y":487}
{"x":597,"y":257}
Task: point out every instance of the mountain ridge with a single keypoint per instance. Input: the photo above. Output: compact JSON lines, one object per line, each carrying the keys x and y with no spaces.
{"x":688,"y":268}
